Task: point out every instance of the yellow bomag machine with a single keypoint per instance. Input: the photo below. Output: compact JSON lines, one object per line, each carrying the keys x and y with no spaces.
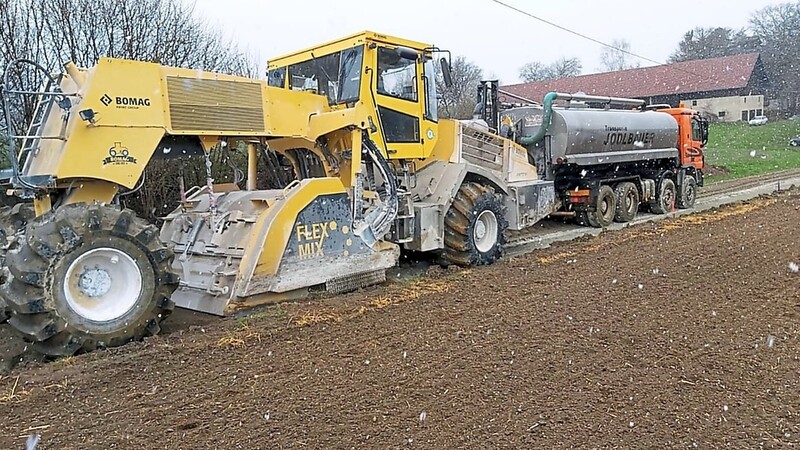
{"x":375,"y":170}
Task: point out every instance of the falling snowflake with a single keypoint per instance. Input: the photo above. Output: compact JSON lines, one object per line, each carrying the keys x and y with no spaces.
{"x":794,"y":267}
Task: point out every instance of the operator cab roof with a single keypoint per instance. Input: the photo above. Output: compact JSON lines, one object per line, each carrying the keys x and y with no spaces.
{"x":341,"y":44}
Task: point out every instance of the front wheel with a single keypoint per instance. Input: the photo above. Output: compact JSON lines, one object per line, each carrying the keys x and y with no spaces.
{"x":474,"y":227}
{"x":688,"y":194}
{"x":88,"y":276}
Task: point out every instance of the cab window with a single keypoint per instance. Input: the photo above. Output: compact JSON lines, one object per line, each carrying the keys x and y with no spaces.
{"x":431,"y":100}
{"x":697,"y":130}
{"x":397,"y":76}
{"x":277,"y":77}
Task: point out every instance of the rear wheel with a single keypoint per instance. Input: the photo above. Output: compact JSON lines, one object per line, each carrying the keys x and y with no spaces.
{"x":605,"y":208}
{"x":88,"y":276}
{"x":627,"y":202}
{"x":688,"y":194}
{"x":13,"y":219}
{"x":665,"y":198}
{"x":474,"y":227}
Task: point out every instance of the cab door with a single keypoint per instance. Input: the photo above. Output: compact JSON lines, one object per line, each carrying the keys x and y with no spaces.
{"x":399,"y":98}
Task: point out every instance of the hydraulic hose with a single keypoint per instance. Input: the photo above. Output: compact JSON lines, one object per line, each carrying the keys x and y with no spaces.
{"x":378,"y":221}
{"x":548,"y":115}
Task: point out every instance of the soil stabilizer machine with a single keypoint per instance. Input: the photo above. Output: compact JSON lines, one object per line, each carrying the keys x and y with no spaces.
{"x":375,"y":170}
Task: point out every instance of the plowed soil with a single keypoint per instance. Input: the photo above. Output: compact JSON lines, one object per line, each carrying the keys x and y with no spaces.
{"x":680,"y":334}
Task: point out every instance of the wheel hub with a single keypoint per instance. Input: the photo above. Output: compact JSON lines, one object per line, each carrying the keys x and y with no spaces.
{"x":485,"y":231}
{"x":103,"y":284}
{"x":95,"y":282}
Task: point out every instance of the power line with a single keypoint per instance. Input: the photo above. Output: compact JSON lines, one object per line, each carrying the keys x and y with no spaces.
{"x":576,"y":33}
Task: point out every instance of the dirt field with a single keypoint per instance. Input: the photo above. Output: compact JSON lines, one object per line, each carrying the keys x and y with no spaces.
{"x":680,"y":334}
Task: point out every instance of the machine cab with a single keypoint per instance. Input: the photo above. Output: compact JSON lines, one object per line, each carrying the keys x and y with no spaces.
{"x":392,"y":79}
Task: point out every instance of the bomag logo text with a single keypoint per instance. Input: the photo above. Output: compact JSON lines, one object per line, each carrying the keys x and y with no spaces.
{"x":310,"y":239}
{"x":125,"y":102}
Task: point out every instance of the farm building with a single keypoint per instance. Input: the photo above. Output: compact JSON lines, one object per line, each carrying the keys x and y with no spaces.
{"x":728,"y":88}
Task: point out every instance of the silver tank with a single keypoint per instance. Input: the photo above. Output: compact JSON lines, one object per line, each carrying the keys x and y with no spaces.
{"x":587,"y":136}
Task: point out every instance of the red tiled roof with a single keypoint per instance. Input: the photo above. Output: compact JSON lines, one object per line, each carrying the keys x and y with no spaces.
{"x":727,"y":72}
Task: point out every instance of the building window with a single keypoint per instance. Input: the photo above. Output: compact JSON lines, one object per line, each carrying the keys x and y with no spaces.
{"x":694,"y":102}
{"x":744,"y":99}
{"x":759,"y":112}
{"x":744,"y":116}
{"x":721,"y":114}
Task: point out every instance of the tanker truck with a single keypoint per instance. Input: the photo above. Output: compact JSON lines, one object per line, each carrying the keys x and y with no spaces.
{"x":607,"y":157}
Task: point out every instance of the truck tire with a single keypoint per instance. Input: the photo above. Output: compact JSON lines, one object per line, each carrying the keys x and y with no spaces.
{"x":665,"y":198}
{"x":13,"y":219}
{"x":606,"y":206}
{"x":627,"y":202}
{"x":688,"y":194}
{"x":88,"y":276}
{"x":474,"y":227}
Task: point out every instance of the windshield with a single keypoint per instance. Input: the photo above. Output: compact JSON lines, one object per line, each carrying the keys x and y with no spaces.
{"x":337,"y":76}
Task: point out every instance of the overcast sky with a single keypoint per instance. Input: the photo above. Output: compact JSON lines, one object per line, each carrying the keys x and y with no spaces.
{"x":494,"y":37}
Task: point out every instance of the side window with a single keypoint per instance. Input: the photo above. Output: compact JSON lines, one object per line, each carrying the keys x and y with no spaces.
{"x":431,"y":100}
{"x":697,"y":130}
{"x":277,"y":77}
{"x":398,"y":127}
{"x":397,"y":76}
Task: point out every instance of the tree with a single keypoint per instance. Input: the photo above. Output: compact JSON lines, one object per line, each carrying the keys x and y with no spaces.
{"x":617,"y":58}
{"x":560,"y":68}
{"x":458,"y":101}
{"x":777,"y":27}
{"x":704,"y":43}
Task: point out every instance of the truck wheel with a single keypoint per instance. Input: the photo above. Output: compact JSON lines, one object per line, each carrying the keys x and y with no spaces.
{"x":627,"y":202}
{"x":474,"y":227}
{"x":13,"y":219}
{"x":603,"y":215}
{"x":688,"y":193}
{"x":88,"y":276}
{"x":665,"y":198}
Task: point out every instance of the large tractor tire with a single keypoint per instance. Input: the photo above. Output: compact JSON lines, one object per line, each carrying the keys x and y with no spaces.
{"x":665,"y":198}
{"x":688,"y":194}
{"x":88,"y":276}
{"x":474,"y":227}
{"x":13,"y":219}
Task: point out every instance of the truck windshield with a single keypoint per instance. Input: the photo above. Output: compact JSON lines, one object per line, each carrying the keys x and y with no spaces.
{"x":337,"y":75}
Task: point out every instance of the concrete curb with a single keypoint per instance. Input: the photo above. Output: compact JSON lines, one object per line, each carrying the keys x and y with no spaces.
{"x":545,"y":240}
